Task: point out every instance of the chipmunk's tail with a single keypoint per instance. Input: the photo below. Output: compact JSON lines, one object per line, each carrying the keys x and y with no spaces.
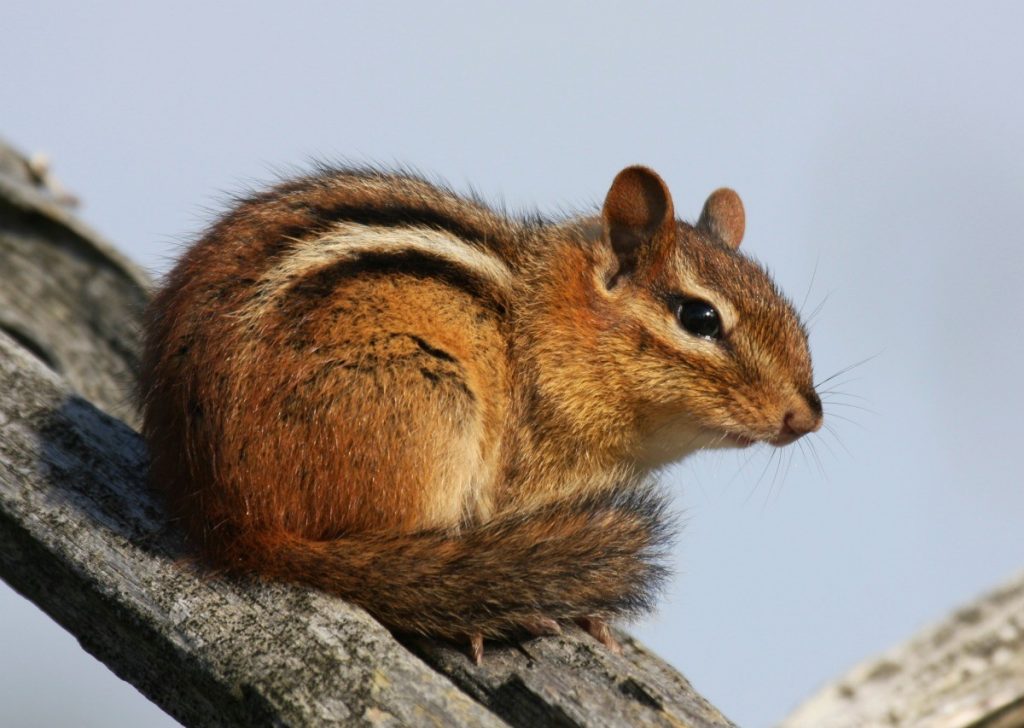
{"x":592,"y":557}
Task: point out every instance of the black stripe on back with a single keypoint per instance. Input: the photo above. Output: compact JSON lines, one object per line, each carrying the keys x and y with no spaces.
{"x":309,"y":291}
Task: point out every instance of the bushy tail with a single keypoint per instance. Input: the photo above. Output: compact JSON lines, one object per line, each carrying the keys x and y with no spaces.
{"x":596,"y":556}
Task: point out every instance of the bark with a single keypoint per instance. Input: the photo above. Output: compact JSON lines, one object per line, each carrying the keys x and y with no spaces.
{"x":83,"y":539}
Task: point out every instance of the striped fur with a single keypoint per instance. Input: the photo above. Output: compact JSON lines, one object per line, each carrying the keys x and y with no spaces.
{"x":349,"y":243}
{"x":363,"y":382}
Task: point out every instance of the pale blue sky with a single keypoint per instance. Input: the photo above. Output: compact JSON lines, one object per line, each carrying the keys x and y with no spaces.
{"x":878,"y":149}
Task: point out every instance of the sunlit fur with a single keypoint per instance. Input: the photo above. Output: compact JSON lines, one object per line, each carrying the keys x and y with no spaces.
{"x":363,"y":382}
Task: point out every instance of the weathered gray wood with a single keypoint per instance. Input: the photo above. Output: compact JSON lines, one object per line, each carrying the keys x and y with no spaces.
{"x":966,"y":671}
{"x":573,"y":680}
{"x":66,"y":294}
{"x":82,"y":538}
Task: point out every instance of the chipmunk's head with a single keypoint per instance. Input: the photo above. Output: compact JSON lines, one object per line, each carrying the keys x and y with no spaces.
{"x":716,"y":354}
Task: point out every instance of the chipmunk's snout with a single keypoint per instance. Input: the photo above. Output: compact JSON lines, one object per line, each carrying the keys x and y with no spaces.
{"x":803,"y":416}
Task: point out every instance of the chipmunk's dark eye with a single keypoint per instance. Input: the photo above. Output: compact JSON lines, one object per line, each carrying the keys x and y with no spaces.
{"x":699,"y":318}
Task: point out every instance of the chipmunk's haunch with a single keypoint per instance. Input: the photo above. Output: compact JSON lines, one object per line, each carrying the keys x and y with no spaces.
{"x":365,"y":383}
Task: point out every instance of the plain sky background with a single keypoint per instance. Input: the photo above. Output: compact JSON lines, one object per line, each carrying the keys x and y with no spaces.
{"x":878,"y":146}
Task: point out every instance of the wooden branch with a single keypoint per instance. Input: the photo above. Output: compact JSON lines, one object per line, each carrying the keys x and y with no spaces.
{"x":82,"y":537}
{"x":966,"y":671}
{"x":65,"y":294}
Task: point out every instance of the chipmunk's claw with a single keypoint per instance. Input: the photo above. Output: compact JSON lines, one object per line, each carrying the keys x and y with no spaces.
{"x":598,"y":628}
{"x":476,"y":648}
{"x":542,"y":627}
{"x":536,"y":627}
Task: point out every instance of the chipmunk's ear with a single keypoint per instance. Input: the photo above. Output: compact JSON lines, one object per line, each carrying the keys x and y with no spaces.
{"x":639,"y":220}
{"x":723,"y":217}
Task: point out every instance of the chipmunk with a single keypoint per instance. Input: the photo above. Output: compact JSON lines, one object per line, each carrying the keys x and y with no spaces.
{"x":364,"y":383}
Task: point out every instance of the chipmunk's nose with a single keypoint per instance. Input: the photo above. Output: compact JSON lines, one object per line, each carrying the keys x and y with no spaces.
{"x":804,"y":415}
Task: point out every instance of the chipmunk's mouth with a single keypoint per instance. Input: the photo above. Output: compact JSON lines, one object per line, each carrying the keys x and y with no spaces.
{"x":783,"y":439}
{"x":739,"y":440}
{"x":785,"y":436}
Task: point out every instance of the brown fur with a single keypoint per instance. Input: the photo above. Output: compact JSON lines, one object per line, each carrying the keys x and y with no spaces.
{"x":362,"y":382}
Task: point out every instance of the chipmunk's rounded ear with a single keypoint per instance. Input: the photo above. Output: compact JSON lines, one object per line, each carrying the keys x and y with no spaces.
{"x":723,"y":217}
{"x":639,"y":219}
